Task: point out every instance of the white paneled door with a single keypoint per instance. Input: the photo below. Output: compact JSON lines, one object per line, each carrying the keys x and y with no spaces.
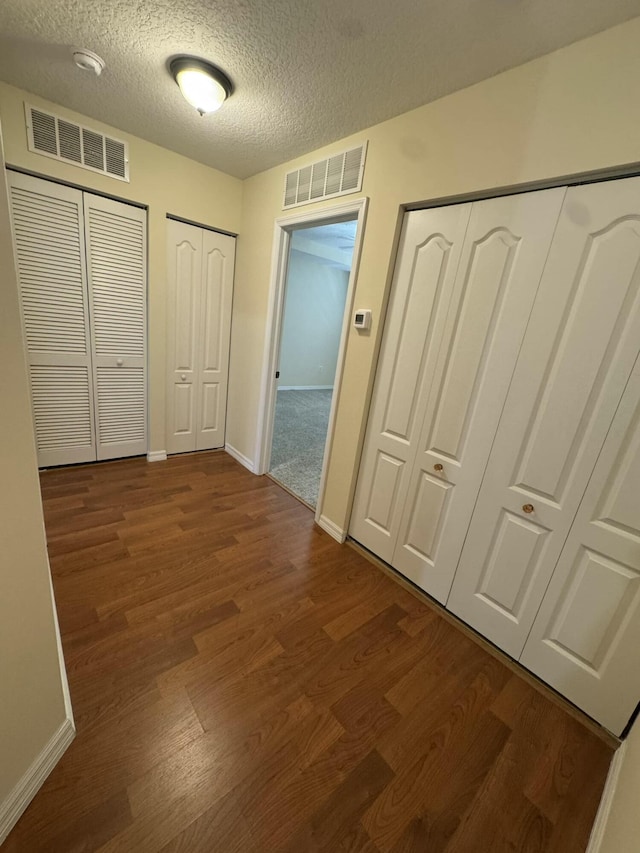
{"x":428,"y":258}
{"x":216,"y":295}
{"x":50,"y":254}
{"x":82,"y":274}
{"x":577,"y":355}
{"x":184,"y":270}
{"x":200,"y":290}
{"x":465,"y":284}
{"x":502,"y":458}
{"x":116,"y":261}
{"x":504,"y":253}
{"x":585,"y":640}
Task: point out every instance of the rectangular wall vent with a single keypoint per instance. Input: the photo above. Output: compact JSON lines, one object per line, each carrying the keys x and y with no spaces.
{"x":338,"y":175}
{"x":64,"y":140}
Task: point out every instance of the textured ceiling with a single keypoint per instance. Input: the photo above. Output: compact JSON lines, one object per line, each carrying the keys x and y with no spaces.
{"x":307,"y":72}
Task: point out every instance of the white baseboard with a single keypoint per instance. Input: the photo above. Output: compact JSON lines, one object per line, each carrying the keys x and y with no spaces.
{"x":156,"y":455}
{"x":305,"y":387}
{"x":602,"y":816}
{"x":63,"y":670}
{"x":240,"y":457}
{"x":29,"y":785}
{"x":332,"y":529}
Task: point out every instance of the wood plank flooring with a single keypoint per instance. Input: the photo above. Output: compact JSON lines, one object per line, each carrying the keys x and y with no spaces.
{"x":241,"y":682}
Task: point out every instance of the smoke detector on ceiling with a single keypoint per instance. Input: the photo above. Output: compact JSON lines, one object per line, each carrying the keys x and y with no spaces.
{"x":88,"y":61}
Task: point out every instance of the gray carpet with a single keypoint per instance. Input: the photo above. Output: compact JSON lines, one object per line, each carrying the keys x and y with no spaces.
{"x":299,"y":435}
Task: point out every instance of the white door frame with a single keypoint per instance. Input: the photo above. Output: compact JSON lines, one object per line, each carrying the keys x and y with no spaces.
{"x":356,"y":209}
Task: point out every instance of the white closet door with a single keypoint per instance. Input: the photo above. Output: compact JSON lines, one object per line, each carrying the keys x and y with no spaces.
{"x":184,"y":273}
{"x":576,"y":358}
{"x":116,"y":259}
{"x":216,"y":293}
{"x":428,"y":257}
{"x":505,"y":249}
{"x":50,"y":253}
{"x":585,"y":641}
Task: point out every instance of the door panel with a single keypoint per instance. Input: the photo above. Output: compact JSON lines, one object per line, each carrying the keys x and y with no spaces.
{"x":429,"y":266}
{"x":187,"y":275}
{"x":512,"y":559}
{"x":488,"y":274}
{"x":504,"y":253}
{"x":116,"y":240}
{"x":576,"y":357}
{"x":121,"y":412}
{"x":585,"y":640}
{"x":213,"y":337}
{"x":62,"y":401}
{"x":213,"y":295}
{"x":50,"y":254}
{"x":428,"y":257}
{"x":210,"y":409}
{"x":429,"y":508}
{"x":183,"y":409}
{"x":184,"y":271}
{"x":582,"y":360}
{"x":383,"y":496}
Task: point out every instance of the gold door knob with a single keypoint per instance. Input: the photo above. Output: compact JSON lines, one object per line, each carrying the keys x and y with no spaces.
{"x":438,"y":467}
{"x":527,"y":508}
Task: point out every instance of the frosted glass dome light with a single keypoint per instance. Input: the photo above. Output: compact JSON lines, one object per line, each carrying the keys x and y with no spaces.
{"x":202,"y":85}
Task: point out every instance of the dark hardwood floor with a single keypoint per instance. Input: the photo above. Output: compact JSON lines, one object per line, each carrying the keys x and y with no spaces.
{"x":241,"y":682}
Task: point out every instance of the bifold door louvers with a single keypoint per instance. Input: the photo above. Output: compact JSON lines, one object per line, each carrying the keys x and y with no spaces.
{"x":339,"y":174}
{"x":64,"y":140}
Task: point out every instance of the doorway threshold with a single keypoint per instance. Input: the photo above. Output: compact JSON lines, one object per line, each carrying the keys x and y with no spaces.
{"x":288,"y":490}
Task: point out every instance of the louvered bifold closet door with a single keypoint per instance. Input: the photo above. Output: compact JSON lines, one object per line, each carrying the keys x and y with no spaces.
{"x":50,"y":254}
{"x":116,"y":259}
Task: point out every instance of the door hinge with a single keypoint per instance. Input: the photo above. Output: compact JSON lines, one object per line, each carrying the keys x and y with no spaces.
{"x":277,"y":374}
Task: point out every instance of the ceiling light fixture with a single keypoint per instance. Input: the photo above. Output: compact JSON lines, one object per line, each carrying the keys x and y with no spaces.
{"x":203,"y":85}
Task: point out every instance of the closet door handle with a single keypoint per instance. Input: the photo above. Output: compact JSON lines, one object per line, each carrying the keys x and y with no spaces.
{"x":119,"y":362}
{"x":438,"y":467}
{"x":528,"y":508}
{"x":183,"y":377}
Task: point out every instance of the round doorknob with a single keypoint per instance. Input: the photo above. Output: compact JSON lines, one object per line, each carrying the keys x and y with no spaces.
{"x":119,"y":362}
{"x":438,"y":467}
{"x":527,"y":508}
{"x":184,"y":377}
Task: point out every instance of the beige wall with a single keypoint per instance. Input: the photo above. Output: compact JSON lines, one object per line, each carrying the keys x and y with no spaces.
{"x":32,"y":705}
{"x":160,"y":179}
{"x":622,"y":830}
{"x":312,"y":322}
{"x":570,"y":112}
{"x":573,"y":111}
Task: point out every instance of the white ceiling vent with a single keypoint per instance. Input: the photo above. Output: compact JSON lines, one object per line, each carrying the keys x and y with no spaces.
{"x":337,"y":175}
{"x":64,"y":140}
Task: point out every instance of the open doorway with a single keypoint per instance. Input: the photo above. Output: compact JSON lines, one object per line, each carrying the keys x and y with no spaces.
{"x":317,"y":281}
{"x":354,"y":213}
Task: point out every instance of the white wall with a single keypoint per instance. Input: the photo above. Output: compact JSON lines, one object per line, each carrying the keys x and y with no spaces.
{"x":33,"y":718}
{"x":622,"y":830}
{"x":314,"y":309}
